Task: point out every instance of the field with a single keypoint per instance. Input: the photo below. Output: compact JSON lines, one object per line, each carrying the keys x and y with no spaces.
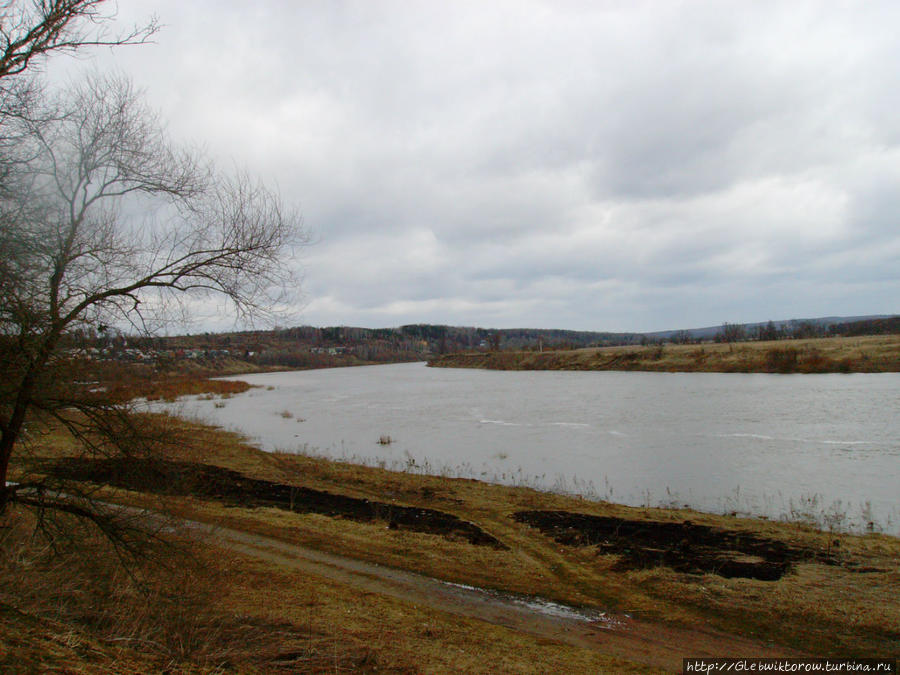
{"x":261,"y":594}
{"x":870,"y":354}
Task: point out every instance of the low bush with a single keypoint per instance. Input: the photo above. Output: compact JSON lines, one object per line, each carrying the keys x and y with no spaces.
{"x":782,"y":360}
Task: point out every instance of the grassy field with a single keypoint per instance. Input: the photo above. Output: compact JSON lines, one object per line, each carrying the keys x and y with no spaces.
{"x":871,"y":354}
{"x":207,"y":609}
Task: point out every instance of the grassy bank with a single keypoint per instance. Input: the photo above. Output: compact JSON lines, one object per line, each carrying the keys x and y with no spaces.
{"x":872,"y":354}
{"x":834,"y":594}
{"x":124,"y":381}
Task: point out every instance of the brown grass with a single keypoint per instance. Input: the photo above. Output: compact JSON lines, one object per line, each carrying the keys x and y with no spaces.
{"x":818,"y":609}
{"x":169,"y":389}
{"x":122,"y":381}
{"x":73,"y":605}
{"x":818,"y":355}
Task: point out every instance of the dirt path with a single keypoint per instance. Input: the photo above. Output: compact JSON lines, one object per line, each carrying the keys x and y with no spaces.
{"x":653,"y":644}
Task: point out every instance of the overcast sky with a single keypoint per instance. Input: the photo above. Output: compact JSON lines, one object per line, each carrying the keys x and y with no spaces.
{"x":583,"y":165}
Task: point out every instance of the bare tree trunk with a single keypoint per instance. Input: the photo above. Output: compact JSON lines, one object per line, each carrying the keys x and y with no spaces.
{"x":5,"y":453}
{"x":13,"y":429}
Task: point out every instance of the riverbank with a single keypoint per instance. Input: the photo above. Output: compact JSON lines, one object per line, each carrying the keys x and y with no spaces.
{"x":870,"y":354}
{"x":724,"y":583}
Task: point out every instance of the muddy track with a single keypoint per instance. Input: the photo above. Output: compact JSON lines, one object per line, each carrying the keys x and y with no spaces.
{"x":659,"y":646}
{"x":656,"y":645}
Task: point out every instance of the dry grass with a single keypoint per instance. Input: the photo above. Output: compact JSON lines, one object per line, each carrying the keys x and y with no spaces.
{"x":407,"y":637}
{"x":818,"y":355}
{"x":76,"y":605}
{"x":169,"y":389}
{"x":818,"y":609}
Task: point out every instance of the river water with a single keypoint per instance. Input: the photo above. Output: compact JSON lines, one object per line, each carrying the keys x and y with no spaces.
{"x":822,"y":448}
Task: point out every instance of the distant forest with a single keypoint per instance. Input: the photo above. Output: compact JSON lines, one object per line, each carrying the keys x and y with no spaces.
{"x":312,"y":347}
{"x":881,"y":326}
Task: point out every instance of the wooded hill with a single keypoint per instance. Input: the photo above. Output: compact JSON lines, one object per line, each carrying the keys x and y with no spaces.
{"x":313,"y":347}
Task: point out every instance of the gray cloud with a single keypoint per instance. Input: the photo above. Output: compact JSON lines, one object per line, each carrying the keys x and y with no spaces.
{"x":580,"y":165}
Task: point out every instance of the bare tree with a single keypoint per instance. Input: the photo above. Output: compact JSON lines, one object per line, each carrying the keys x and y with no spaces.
{"x":681,"y":337}
{"x":731,"y":332}
{"x":30,"y":29}
{"x":104,"y":221}
{"x":33,"y":29}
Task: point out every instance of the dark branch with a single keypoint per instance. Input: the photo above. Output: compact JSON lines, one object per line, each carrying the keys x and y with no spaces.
{"x":29,"y":30}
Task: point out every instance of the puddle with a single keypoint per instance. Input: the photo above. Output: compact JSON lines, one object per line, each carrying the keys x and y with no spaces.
{"x":596,"y":618}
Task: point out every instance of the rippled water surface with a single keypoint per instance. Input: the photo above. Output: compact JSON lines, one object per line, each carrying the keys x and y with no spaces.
{"x":799,"y":446}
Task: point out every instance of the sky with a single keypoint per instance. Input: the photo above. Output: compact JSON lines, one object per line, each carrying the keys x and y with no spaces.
{"x":620,"y":166}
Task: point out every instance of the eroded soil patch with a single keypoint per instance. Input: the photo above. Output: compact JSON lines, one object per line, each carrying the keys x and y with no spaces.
{"x":684,"y":547}
{"x":236,"y":489}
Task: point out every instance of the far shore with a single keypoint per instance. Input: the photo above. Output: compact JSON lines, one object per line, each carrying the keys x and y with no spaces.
{"x":868,"y":354}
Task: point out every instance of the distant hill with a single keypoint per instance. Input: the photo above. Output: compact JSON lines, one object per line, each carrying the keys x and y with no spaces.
{"x":788,"y":326}
{"x":312,"y":347}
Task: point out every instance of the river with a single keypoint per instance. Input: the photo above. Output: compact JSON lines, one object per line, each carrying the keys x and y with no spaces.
{"x":821,"y":448}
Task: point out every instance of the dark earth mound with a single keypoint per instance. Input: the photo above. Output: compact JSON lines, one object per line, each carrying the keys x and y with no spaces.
{"x":684,"y":547}
{"x":204,"y":480}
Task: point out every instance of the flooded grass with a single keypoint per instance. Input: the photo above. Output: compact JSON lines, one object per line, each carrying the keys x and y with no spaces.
{"x":765,"y":445}
{"x":809,"y":510}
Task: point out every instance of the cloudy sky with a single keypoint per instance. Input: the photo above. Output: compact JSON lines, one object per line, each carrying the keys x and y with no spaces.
{"x":584,"y":165}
